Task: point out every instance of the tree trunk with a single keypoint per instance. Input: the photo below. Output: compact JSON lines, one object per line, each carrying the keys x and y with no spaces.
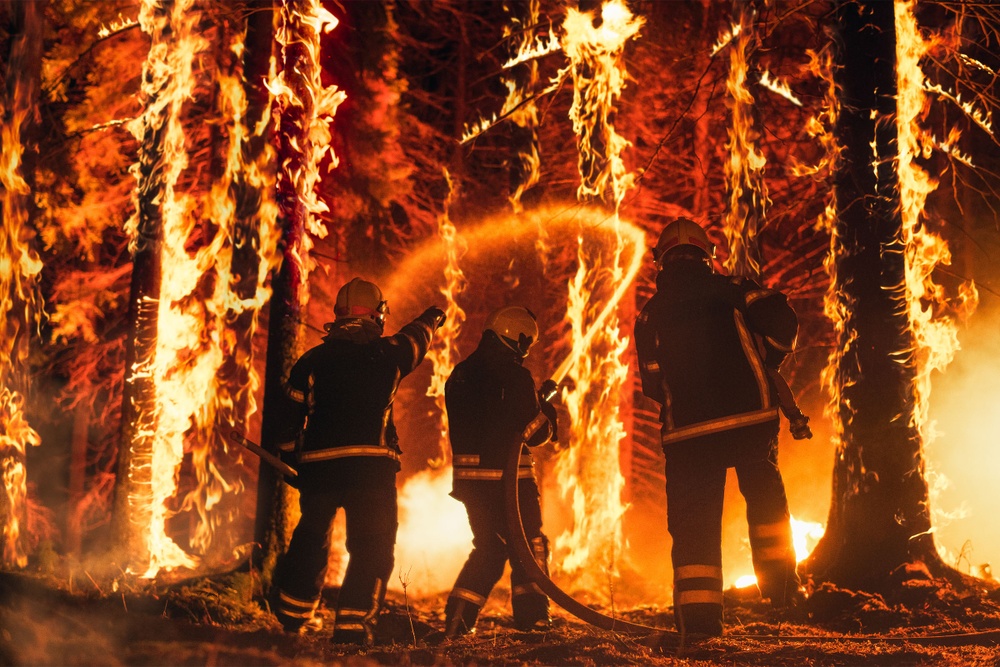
{"x":878,"y":518}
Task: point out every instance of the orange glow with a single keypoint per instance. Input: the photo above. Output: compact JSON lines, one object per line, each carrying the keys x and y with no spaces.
{"x":805,"y":537}
{"x":20,"y":309}
{"x":434,"y":537}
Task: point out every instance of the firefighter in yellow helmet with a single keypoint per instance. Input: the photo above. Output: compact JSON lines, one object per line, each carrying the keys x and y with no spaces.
{"x":343,"y":442}
{"x":493,"y":405}
{"x":705,"y":344}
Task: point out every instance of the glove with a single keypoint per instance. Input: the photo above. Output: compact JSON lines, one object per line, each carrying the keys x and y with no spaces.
{"x":799,"y":426}
{"x":547,"y":391}
{"x":434,"y":316}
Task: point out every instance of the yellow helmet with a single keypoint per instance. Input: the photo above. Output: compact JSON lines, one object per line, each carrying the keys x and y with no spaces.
{"x":515,"y":326}
{"x":361,"y":299}
{"x":682,"y":232}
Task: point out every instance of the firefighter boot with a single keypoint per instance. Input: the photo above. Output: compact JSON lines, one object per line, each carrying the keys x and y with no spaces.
{"x":460,"y":616}
{"x":699,"y":619}
{"x":529,"y":603}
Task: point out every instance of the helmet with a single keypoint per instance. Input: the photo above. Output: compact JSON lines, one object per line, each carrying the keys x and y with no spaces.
{"x":682,"y":232}
{"x":515,"y":326}
{"x":361,"y":299}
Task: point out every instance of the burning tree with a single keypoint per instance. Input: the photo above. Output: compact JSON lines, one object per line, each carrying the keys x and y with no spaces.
{"x":883,"y":300}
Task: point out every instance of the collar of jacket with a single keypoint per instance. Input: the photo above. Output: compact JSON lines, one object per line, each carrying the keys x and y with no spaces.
{"x":682,"y":271}
{"x":355,"y":330}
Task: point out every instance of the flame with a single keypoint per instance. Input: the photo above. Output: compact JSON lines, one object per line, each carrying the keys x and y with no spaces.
{"x":520,"y":81}
{"x":158,"y":448}
{"x":779,"y":87}
{"x":20,"y":312}
{"x":726,"y":38}
{"x":748,"y":201}
{"x":589,"y":469}
{"x":935,"y":333}
{"x":805,"y":537}
{"x":434,"y":537}
{"x":441,"y":354}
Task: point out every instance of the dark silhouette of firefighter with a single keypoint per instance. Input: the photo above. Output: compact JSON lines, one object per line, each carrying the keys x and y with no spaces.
{"x":492,"y":405}
{"x":344,"y":444}
{"x":709,"y":347}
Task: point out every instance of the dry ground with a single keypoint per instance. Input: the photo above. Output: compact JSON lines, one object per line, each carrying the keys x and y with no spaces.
{"x":215,"y":621}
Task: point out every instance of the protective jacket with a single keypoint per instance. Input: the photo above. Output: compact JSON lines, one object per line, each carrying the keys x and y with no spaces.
{"x":492,"y":404}
{"x":705,"y":342}
{"x":344,"y":389}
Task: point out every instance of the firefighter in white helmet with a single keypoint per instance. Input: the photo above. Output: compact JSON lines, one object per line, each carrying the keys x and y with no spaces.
{"x":343,"y":442}
{"x":705,"y":342}
{"x":493,"y":405}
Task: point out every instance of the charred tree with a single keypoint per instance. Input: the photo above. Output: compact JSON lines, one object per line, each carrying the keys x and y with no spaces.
{"x":879,"y":518}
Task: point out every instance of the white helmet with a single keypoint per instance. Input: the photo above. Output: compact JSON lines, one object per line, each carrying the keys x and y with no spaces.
{"x":361,"y":299}
{"x":682,"y":232}
{"x":515,"y":326}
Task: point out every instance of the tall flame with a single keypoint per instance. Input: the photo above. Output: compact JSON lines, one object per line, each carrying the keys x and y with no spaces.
{"x":20,"y":310}
{"x":935,"y":334}
{"x":521,"y":75}
{"x":158,"y":446}
{"x":746,"y":210}
{"x":442,"y":353}
{"x":589,"y":468}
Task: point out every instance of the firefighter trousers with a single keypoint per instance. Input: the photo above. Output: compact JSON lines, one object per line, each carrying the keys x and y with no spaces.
{"x":490,"y":553}
{"x":696,"y":482}
{"x":365,"y":487}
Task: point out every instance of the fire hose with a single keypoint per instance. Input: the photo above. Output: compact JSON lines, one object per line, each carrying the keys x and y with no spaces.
{"x":669,"y":638}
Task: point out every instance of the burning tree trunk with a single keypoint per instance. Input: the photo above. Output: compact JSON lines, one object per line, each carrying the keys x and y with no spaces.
{"x":879,"y":517}
{"x":306,"y":109}
{"x":20,"y":306}
{"x":156,"y":130}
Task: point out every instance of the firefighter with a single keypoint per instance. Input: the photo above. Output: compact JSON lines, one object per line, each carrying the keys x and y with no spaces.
{"x":347,"y":455}
{"x":709,"y":347}
{"x":492,"y":405}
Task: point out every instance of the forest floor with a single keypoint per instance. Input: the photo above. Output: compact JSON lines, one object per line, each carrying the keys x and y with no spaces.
{"x":216,"y":621}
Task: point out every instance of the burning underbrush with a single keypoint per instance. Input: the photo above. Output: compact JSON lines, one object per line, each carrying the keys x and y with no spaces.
{"x":219,"y":621}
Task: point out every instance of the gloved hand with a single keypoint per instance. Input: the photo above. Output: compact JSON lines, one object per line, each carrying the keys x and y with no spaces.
{"x":547,"y":391}
{"x":434,"y":316}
